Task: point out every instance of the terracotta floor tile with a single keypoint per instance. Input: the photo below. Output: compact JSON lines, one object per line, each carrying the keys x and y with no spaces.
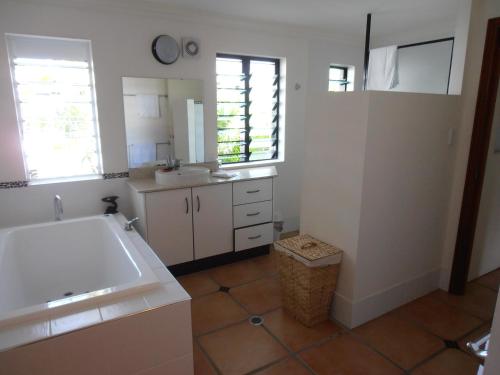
{"x":201,"y":364}
{"x":294,"y":334}
{"x":400,"y":340}
{"x":241,"y":348}
{"x":259,"y":296}
{"x":478,"y":300}
{"x":198,"y":284}
{"x":344,"y":355}
{"x":490,"y":280}
{"x":267,"y":263}
{"x":215,"y":311}
{"x":449,"y":362}
{"x":439,"y":318}
{"x":235,"y":274}
{"x":289,"y":366}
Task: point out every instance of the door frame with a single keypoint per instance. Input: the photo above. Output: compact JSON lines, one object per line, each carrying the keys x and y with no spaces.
{"x":479,"y":146}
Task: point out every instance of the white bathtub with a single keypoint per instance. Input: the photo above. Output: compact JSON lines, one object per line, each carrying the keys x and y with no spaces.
{"x":47,"y":268}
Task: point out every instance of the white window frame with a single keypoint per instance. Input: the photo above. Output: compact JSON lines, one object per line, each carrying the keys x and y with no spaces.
{"x":99,"y":165}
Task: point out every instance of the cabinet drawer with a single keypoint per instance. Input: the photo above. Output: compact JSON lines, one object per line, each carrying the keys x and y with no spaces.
{"x":253,"y":213}
{"x":258,"y":235}
{"x":252,"y":191}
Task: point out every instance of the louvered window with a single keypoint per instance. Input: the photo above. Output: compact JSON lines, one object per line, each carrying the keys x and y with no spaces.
{"x":53,"y":84}
{"x":248,"y":104}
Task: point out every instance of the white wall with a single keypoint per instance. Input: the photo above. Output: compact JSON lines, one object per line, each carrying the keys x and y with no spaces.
{"x":460,"y":47}
{"x":34,"y":204}
{"x":405,"y":188}
{"x":482,"y":10}
{"x":333,"y":180}
{"x":376,"y":186}
{"x":486,"y":250}
{"x":121,"y":43}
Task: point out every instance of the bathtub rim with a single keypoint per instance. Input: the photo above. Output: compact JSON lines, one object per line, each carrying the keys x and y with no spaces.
{"x":147,"y":278}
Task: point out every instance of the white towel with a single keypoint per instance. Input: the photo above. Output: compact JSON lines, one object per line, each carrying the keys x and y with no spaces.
{"x":148,"y":106}
{"x":383,"y":68}
{"x":224,"y":174}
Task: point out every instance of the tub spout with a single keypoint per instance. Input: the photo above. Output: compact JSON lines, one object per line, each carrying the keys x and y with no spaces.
{"x":128,"y":225}
{"x":58,"y":208}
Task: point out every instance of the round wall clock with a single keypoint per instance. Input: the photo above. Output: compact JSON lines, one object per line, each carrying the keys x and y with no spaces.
{"x":165,"y":49}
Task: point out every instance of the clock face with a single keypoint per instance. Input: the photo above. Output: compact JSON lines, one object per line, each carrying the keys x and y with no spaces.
{"x":165,"y":49}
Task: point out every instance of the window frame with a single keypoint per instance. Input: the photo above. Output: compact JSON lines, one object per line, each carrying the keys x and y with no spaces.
{"x":246,"y":59}
{"x":344,"y":81}
{"x":93,"y":96}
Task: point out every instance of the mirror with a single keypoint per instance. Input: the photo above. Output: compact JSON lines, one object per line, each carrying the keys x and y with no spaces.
{"x":163,"y":120}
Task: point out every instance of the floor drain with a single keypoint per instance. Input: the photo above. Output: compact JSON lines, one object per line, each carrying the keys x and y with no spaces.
{"x":67,"y":294}
{"x":256,"y":320}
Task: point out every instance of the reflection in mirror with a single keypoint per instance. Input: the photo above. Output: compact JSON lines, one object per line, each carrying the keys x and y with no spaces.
{"x":163,"y":120}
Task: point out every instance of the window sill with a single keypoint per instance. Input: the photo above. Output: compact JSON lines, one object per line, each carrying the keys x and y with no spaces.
{"x":47,"y":181}
{"x":252,"y":164}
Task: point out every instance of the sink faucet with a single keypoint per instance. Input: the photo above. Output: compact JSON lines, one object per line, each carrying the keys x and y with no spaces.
{"x":58,"y":208}
{"x":128,"y":225}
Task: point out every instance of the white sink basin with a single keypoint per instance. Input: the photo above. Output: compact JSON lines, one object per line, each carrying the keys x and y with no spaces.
{"x":183,"y":175}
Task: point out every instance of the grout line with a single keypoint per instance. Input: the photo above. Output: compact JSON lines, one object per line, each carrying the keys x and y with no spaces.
{"x":209,"y":359}
{"x":427,"y":359}
{"x":220,"y":328}
{"x":365,"y":343}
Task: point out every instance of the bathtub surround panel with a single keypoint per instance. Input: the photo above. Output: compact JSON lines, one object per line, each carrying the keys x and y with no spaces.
{"x":145,"y":338}
{"x":383,"y":198}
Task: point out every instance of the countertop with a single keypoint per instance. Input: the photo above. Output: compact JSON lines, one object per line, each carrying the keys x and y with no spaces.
{"x":148,"y":185}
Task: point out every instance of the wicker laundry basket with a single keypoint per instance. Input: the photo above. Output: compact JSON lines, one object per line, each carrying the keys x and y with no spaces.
{"x":308,"y":271}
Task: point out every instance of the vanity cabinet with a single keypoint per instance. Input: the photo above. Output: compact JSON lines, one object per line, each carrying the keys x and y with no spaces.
{"x":217,"y":222}
{"x":170,"y":225}
{"x":190,"y":224}
{"x":212,"y":220}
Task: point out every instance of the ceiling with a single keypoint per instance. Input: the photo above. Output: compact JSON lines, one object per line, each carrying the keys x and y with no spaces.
{"x":343,"y":16}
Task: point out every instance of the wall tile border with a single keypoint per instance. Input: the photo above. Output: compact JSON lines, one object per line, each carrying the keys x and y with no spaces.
{"x":13,"y":184}
{"x":22,"y":183}
{"x":109,"y":176}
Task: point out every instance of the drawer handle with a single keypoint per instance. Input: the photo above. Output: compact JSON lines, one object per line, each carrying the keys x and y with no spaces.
{"x":254,"y":214}
{"x":255,"y":237}
{"x":187,"y":206}
{"x":253,"y":191}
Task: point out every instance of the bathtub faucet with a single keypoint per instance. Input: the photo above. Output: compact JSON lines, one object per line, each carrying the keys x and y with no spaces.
{"x":58,"y":208}
{"x":128,"y":225}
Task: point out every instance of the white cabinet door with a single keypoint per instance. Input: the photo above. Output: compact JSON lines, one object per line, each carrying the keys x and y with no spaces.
{"x":170,"y":225}
{"x":213,"y":220}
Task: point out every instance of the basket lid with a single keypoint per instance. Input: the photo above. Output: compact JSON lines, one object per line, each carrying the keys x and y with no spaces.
{"x":308,"y":247}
